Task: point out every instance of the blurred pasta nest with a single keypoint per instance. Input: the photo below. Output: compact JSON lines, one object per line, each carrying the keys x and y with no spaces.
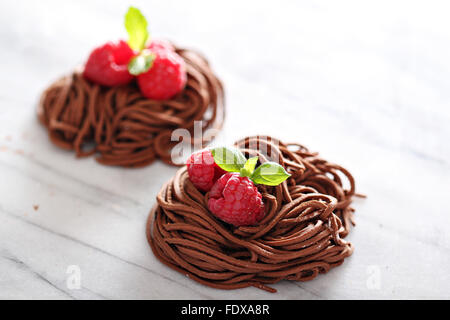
{"x":124,"y":127}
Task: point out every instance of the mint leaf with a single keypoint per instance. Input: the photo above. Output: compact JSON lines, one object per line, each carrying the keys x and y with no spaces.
{"x":229,"y":159}
{"x":141,"y":63}
{"x":269,"y":174}
{"x":136,"y":26}
{"x":249,"y":167}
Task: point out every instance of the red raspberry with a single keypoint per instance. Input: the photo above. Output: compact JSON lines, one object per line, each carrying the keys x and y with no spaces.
{"x":236,"y":200}
{"x":166,"y":77}
{"x":203,"y":171}
{"x":108,"y":64}
{"x":158,"y":44}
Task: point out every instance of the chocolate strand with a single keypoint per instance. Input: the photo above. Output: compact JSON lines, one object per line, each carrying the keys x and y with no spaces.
{"x":125,"y":128}
{"x":301,"y":235}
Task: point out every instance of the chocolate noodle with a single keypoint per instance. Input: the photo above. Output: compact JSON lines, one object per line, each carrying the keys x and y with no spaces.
{"x":124,"y":127}
{"x":301,"y":235}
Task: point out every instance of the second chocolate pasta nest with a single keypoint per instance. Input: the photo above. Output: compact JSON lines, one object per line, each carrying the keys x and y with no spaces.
{"x":300,"y":236}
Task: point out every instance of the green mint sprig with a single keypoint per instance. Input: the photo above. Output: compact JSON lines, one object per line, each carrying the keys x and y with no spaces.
{"x":136,"y":26}
{"x":233,"y":160}
{"x":138,"y":37}
{"x":141,"y":63}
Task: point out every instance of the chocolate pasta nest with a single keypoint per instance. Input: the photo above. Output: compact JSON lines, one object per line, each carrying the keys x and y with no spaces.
{"x":301,"y":235}
{"x":122,"y":126}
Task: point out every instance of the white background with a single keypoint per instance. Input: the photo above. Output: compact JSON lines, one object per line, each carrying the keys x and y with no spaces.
{"x":365,"y":83}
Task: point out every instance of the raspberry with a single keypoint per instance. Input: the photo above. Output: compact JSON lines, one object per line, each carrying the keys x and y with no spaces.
{"x":166,"y":77}
{"x":158,"y":44}
{"x":108,"y":64}
{"x":203,"y":171}
{"x":236,"y":200}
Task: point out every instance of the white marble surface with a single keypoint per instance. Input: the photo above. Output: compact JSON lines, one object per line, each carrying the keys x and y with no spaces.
{"x":366,"y":84}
